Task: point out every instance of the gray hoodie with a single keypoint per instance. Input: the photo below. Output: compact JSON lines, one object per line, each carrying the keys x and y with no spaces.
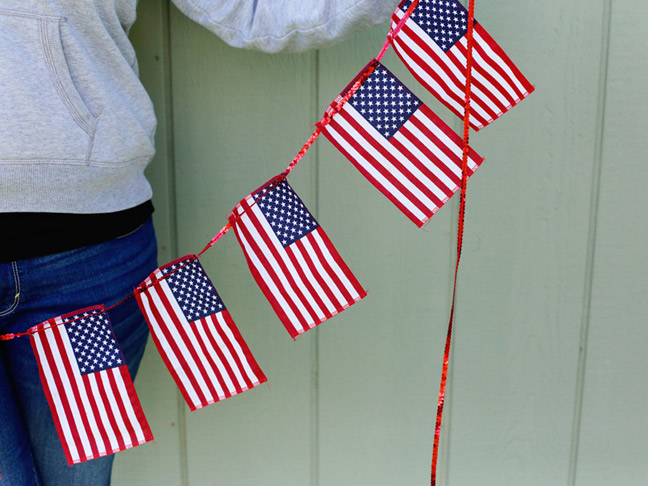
{"x":76,"y":125}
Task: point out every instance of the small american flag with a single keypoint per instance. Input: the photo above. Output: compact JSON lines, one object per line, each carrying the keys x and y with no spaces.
{"x":195,"y":335}
{"x":292,"y":259}
{"x":87,"y":385}
{"x":433,"y":45}
{"x":399,"y":145}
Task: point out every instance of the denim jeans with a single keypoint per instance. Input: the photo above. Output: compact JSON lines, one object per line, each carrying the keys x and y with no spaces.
{"x":34,"y":290}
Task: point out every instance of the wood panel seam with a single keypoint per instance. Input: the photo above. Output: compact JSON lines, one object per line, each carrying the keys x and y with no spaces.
{"x":591,"y":242}
{"x":183,"y":459}
{"x":314,"y":171}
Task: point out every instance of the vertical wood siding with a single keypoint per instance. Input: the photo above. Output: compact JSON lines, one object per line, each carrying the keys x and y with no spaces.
{"x":548,"y":371}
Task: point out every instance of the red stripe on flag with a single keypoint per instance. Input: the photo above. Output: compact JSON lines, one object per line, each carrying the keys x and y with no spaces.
{"x":291,"y":254}
{"x":480,"y":69}
{"x":452,"y":89}
{"x":192,"y":374}
{"x":112,"y":420}
{"x":231,"y":376}
{"x":111,"y":384}
{"x":204,"y":347}
{"x":201,"y":372}
{"x":67,"y":359}
{"x":431,"y":157}
{"x":68,"y":401}
{"x":354,"y":142}
{"x":84,"y":425}
{"x":174,"y":349}
{"x":280,"y":256}
{"x":312,"y":262}
{"x":64,"y":400}
{"x":454,"y":138}
{"x":421,"y":185}
{"x":483,"y":94}
{"x":280,"y":286}
{"x":504,"y":60}
{"x":486,"y":37}
{"x":271,"y":253}
{"x":97,"y":415}
{"x":362,"y":293}
{"x":241,"y":230}
{"x":48,"y":394}
{"x":332,"y":274}
{"x":238,"y":365}
{"x":433,"y":179}
{"x":260,"y":376}
{"x":384,"y":190}
{"x":137,"y":406}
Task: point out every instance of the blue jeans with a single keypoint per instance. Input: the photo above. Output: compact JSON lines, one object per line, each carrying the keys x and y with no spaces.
{"x":34,"y":290}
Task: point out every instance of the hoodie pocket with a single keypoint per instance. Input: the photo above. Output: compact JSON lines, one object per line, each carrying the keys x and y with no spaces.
{"x":42,"y":115}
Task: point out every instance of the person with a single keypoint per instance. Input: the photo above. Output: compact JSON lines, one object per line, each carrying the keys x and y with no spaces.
{"x":76,"y":132}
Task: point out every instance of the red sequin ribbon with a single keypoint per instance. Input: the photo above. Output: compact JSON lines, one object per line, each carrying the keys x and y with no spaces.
{"x":460,"y":231}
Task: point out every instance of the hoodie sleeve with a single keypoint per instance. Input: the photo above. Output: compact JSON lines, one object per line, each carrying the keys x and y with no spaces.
{"x":286,"y":25}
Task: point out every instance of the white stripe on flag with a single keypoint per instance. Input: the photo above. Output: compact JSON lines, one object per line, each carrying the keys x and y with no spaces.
{"x":292,"y":271}
{"x":375,"y":174}
{"x":81,"y":390}
{"x":157,"y":297}
{"x":67,"y":388}
{"x":459,"y":74}
{"x":239,"y":351}
{"x":448,"y":85}
{"x":267,"y":279}
{"x":189,"y":330}
{"x":315,"y":282}
{"x":497,"y":59}
{"x":114,"y":444}
{"x":336,"y":268}
{"x":448,"y":186}
{"x":404,"y":159}
{"x":128,"y":405}
{"x":104,"y":382}
{"x":228,"y":355}
{"x":401,"y":177}
{"x":442,"y":139}
{"x":56,"y":397}
{"x":263,"y":242}
{"x":200,"y":327}
{"x":480,"y":64}
{"x":166,"y":347}
{"x":457,"y":82}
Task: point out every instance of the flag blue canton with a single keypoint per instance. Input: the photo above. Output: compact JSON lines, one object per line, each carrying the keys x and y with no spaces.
{"x":384,"y":102}
{"x":93,"y":343}
{"x":286,"y":213}
{"x":445,"y":21}
{"x":193,"y":290}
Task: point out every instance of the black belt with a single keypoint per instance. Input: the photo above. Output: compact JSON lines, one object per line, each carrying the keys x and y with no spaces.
{"x":29,"y":235}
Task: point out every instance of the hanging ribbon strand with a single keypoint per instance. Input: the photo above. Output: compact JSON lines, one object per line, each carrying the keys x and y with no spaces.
{"x":460,"y":231}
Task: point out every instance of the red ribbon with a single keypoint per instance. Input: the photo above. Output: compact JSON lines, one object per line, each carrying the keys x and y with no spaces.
{"x":460,"y":231}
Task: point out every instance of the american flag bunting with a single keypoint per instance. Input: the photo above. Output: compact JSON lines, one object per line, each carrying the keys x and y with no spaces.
{"x":195,"y":334}
{"x":432,"y":43}
{"x":292,"y":259}
{"x":89,"y":390}
{"x":405,"y":150}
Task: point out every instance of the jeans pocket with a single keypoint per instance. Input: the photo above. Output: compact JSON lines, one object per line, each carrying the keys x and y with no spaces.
{"x":43,"y":115}
{"x":9,"y":288}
